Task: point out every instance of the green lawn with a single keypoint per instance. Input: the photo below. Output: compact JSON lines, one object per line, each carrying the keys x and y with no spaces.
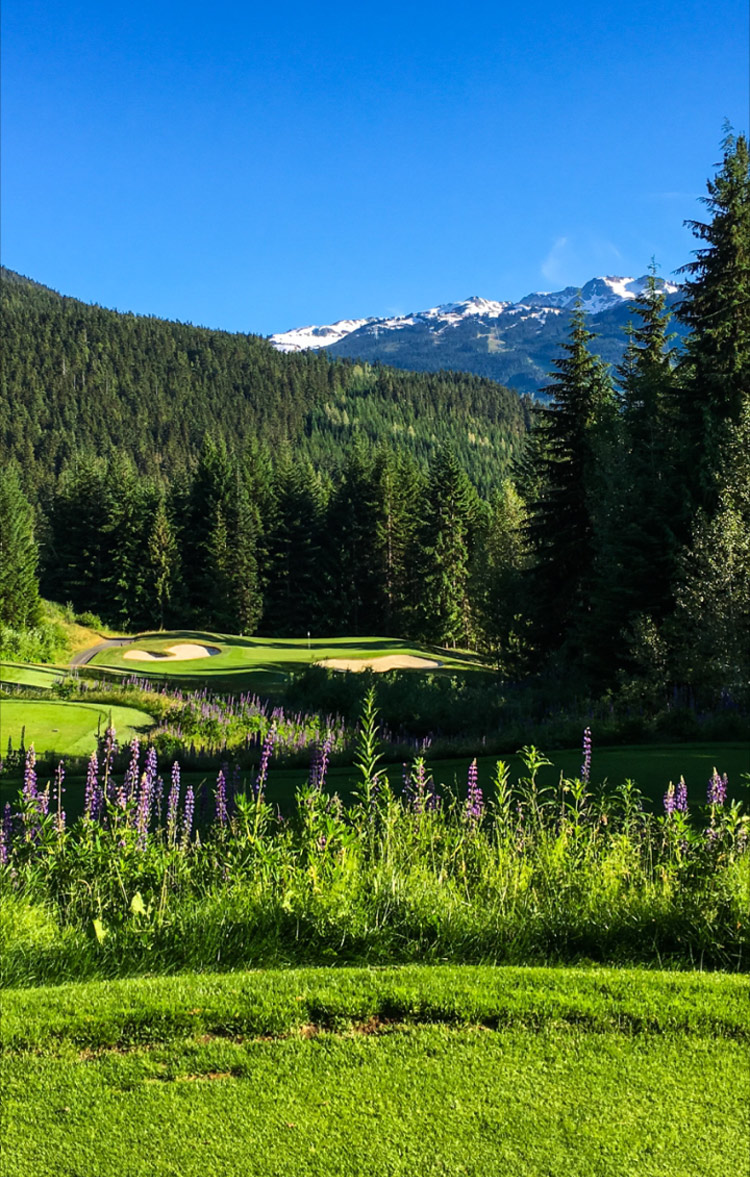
{"x":24,"y":674}
{"x":597,"y":1073}
{"x":263,"y":664}
{"x":65,"y":729}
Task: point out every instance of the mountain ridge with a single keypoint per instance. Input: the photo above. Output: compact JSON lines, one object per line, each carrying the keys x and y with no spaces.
{"x":512,"y":342}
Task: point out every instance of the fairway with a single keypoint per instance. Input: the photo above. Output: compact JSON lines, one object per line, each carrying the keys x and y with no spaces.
{"x":529,"y":1072}
{"x":261,"y":664}
{"x":66,"y":729}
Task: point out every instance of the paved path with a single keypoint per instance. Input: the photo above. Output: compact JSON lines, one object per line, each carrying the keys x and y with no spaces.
{"x":84,"y":656}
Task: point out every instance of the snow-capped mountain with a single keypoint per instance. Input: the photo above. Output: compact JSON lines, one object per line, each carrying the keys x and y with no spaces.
{"x":514,"y":342}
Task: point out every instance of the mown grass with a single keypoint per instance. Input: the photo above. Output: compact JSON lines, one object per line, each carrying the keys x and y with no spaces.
{"x":414,"y":1071}
{"x":41,"y":678}
{"x":264,"y":664}
{"x":63,"y":728}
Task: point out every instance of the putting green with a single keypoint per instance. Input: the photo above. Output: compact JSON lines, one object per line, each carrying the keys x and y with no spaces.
{"x":262,"y":663}
{"x":65,"y":729}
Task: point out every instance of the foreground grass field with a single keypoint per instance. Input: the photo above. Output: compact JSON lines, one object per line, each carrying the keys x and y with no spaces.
{"x":394,"y":1071}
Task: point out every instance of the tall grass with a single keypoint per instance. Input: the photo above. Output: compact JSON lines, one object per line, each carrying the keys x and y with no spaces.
{"x":527,"y":874}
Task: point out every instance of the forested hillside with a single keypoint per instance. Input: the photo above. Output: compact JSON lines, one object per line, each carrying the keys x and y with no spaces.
{"x":79,"y":379}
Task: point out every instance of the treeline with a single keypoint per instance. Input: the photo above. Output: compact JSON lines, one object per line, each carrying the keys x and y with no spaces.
{"x":79,"y":378}
{"x":252,"y":543}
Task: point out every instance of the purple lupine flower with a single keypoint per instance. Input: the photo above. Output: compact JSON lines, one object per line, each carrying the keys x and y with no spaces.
{"x":173,"y":801}
{"x":59,"y":790}
{"x":320,"y":767}
{"x":187,"y":815}
{"x":265,"y":758}
{"x":151,"y":766}
{"x":221,"y":798}
{"x":109,"y":751}
{"x":415,"y":784}
{"x":143,"y":809}
{"x":6,"y":835}
{"x":132,"y":771}
{"x":586,"y":766}
{"x":157,"y":798}
{"x":675,"y":799}
{"x":717,"y":788}
{"x":681,"y":802}
{"x":92,"y":796}
{"x":474,"y":798}
{"x":30,"y":791}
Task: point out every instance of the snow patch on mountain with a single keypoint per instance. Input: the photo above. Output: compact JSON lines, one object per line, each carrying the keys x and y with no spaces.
{"x":304,"y":338}
{"x":599,"y":294}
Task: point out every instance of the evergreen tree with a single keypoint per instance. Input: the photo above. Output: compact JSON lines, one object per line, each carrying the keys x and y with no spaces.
{"x":296,"y":577}
{"x":77,"y":556}
{"x":163,"y":568}
{"x":635,"y":504}
{"x":19,"y":588}
{"x":716,"y":307}
{"x":127,"y":509}
{"x":355,"y":556}
{"x":446,"y":547}
{"x":219,"y":537}
{"x":711,"y":624}
{"x":561,"y":518}
{"x":497,"y":588}
{"x":401,"y":491}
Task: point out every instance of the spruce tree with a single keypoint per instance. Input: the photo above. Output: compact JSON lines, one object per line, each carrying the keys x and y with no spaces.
{"x":636,"y":507}
{"x":447,"y":542}
{"x":716,"y":307}
{"x":561,"y":516}
{"x":163,"y":566}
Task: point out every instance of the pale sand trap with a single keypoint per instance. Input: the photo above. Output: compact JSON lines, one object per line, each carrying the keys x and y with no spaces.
{"x":184,"y":652}
{"x":388,"y":662}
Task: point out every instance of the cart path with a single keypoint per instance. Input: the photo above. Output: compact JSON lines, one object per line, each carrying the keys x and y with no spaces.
{"x":84,"y":656}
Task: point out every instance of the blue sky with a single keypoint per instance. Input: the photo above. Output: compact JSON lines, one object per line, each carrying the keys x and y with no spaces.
{"x":259,"y":167}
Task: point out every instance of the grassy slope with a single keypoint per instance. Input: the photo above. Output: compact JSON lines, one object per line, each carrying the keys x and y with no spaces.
{"x":67,"y":729}
{"x":441,"y":1070}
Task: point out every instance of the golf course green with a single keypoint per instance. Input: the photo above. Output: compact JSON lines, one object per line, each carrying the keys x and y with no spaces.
{"x":66,"y":729}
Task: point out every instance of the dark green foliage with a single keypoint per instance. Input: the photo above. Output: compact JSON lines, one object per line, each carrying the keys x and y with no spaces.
{"x":19,"y":589}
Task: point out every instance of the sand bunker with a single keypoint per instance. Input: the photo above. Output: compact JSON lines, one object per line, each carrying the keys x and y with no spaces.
{"x":388,"y":662}
{"x":183,"y":652}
